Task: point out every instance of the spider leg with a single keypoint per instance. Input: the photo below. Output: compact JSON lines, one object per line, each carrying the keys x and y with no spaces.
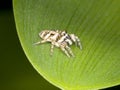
{"x":64,"y":50}
{"x":69,"y":50}
{"x":78,"y":42}
{"x":74,"y":39}
{"x":51,"y":50}
{"x":43,"y":41}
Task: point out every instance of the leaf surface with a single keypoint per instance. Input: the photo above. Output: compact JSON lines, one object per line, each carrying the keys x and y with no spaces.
{"x":95,"y":22}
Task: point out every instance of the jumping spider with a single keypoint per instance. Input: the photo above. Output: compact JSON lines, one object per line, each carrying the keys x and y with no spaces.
{"x":59,"y":39}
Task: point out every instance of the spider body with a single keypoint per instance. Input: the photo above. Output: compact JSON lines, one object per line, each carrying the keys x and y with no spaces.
{"x":59,"y":39}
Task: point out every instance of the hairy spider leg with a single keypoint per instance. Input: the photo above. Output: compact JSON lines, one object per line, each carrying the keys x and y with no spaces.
{"x":51,"y":50}
{"x":40,"y":42}
{"x":73,"y":38}
{"x":78,"y":42}
{"x":69,"y":50}
{"x":64,"y":50}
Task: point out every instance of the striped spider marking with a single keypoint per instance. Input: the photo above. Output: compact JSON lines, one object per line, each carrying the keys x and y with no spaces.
{"x":59,"y":39}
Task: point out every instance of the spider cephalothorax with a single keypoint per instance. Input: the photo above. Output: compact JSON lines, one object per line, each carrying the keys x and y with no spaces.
{"x":59,"y":39}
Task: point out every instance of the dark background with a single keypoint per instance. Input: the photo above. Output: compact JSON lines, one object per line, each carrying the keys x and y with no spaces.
{"x":16,"y":73}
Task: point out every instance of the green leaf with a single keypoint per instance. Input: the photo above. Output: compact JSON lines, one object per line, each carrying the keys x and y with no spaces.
{"x":95,"y":22}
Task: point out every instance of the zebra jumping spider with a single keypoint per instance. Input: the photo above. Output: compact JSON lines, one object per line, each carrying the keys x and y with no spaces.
{"x":59,"y":39}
